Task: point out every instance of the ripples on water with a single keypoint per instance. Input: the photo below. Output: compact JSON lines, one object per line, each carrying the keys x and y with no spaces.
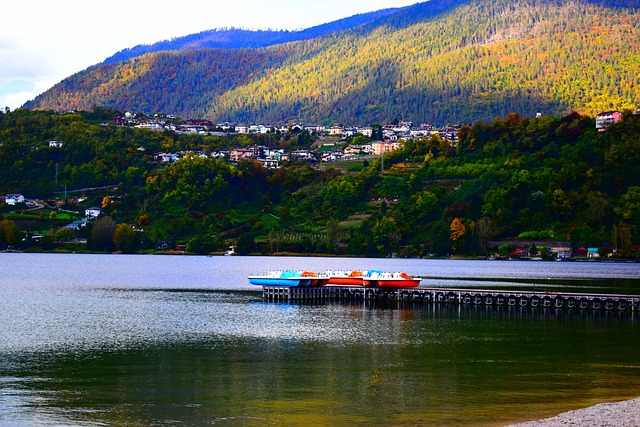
{"x":113,"y":319}
{"x":143,"y":340}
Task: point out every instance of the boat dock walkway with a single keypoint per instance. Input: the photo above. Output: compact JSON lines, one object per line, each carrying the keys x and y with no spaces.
{"x":556,"y":300}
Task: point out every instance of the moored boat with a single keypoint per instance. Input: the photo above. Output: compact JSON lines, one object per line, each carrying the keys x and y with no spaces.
{"x":346,"y":278}
{"x":289,"y":278}
{"x":377,"y":278}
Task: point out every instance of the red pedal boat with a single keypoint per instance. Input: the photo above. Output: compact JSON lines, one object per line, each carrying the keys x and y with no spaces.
{"x":346,"y":278}
{"x":379,"y":279}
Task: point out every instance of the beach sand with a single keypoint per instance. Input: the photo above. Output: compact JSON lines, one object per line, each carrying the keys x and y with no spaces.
{"x":618,"y":414}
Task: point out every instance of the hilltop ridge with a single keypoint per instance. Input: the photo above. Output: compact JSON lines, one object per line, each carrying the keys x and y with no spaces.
{"x":443,"y":61}
{"x":241,"y":38}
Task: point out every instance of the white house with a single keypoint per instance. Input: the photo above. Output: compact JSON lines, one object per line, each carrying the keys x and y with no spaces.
{"x":76,"y":225}
{"x":315,"y":129}
{"x":264,"y":129}
{"x":367,"y":148}
{"x":348,"y":133}
{"x":92,"y":213}
{"x":12,"y":199}
{"x":593,"y":253}
{"x":332,"y":156}
{"x":422,"y":131}
{"x":402,"y":128}
{"x":150,"y":126}
{"x":167,"y":157}
{"x":366,"y":131}
{"x":561,"y":252}
{"x":352,"y":150}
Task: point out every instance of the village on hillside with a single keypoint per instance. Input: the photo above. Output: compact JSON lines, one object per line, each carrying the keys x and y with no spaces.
{"x":331,"y":144}
{"x":389,"y":137}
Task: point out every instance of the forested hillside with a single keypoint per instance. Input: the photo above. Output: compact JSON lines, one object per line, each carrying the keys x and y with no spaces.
{"x":545,"y":178}
{"x":444,"y":61}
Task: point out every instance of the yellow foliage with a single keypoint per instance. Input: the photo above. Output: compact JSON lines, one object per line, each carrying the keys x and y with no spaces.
{"x":457,"y":229}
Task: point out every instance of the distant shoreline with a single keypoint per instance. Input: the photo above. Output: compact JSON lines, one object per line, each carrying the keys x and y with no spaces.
{"x":317,"y":255}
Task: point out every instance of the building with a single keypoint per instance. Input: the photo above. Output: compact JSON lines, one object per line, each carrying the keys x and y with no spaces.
{"x":13,"y":199}
{"x":606,"y":119}
{"x":270,"y":163}
{"x":92,"y":213}
{"x":253,"y":152}
{"x":336,"y":130}
{"x":352,"y":150}
{"x":166,"y":157}
{"x":366,"y":131}
{"x":380,"y":148}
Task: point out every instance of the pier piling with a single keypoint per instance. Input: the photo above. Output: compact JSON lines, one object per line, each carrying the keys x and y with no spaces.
{"x":533,"y":299}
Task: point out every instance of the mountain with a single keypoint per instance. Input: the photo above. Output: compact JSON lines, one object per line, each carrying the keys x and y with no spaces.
{"x":238,"y":38}
{"x":440,"y":61}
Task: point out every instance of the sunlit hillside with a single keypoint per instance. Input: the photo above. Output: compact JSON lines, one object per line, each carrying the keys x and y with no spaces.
{"x":439,"y":62}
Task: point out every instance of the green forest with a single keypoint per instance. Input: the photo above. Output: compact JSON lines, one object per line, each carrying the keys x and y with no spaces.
{"x":444,"y":61}
{"x":513,"y":178}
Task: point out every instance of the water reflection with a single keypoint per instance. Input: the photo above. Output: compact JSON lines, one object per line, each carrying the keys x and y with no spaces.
{"x":411,"y":310}
{"x":327,"y":364}
{"x":185,"y":340}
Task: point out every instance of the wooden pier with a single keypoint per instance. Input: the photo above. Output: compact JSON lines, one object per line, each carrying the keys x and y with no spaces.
{"x":532,"y":299}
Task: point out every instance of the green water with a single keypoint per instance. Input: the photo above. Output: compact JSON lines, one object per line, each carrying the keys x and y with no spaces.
{"x":73,"y":353}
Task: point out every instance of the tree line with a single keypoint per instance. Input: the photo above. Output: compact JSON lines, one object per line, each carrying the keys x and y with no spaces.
{"x":514,"y":177}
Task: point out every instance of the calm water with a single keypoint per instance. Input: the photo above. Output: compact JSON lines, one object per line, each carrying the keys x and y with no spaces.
{"x":89,"y":340}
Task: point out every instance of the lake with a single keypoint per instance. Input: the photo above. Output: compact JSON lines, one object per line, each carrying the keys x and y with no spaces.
{"x":89,"y":340}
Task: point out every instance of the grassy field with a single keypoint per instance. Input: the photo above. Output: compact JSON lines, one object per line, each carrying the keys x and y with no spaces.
{"x":344,"y":164}
{"x":40,"y":215}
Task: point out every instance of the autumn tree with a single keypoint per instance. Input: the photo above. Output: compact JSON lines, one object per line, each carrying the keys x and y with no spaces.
{"x":106,"y":201}
{"x":458,"y":230}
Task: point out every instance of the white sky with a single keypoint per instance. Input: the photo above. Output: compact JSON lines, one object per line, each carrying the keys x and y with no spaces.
{"x":45,"y":41}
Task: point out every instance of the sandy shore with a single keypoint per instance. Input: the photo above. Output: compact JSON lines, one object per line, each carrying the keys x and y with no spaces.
{"x":626,"y":413}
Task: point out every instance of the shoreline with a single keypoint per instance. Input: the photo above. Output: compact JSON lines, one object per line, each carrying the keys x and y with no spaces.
{"x":622,"y":413}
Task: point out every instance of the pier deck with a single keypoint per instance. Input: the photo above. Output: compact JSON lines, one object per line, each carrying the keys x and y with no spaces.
{"x":579,"y":301}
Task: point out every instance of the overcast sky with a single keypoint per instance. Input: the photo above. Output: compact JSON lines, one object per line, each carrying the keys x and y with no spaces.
{"x":44,"y":41}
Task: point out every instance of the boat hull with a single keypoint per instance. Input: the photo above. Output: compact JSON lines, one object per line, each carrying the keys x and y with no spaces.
{"x":277,"y":281}
{"x":376,"y":278}
{"x":345,"y":281}
{"x":289,"y":278}
{"x":319,"y":282}
{"x":341,"y":278}
{"x":392,"y":283}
